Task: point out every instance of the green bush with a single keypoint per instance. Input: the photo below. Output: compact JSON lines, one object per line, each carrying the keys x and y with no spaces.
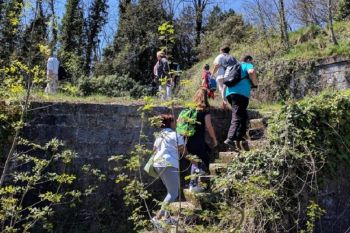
{"x":279,"y":185}
{"x":113,"y":86}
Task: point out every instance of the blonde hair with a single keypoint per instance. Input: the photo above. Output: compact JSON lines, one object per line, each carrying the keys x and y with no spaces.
{"x":160,"y":53}
{"x":200,"y":98}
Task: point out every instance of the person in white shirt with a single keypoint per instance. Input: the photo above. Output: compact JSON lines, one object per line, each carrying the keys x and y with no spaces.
{"x":52,"y":75}
{"x":167,"y":146}
{"x":221,"y":62}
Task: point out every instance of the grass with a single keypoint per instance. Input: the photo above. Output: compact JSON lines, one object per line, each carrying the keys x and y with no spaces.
{"x":314,"y":49}
{"x":38,"y":95}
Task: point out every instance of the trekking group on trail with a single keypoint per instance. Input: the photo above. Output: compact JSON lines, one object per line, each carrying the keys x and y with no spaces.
{"x":185,"y":138}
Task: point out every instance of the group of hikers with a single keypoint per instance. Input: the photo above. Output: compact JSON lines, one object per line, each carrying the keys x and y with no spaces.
{"x":171,"y":144}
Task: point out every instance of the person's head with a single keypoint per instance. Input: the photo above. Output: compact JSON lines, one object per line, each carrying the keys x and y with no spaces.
{"x":225,"y":49}
{"x":201,"y":98}
{"x":206,"y":67}
{"x":247,"y":58}
{"x":168,"y":121}
{"x":160,"y":54}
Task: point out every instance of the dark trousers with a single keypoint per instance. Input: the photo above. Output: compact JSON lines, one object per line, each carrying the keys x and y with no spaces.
{"x":239,"y":119}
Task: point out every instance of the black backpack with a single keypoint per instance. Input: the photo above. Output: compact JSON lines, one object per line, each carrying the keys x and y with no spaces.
{"x":62,"y":73}
{"x":232,"y":75}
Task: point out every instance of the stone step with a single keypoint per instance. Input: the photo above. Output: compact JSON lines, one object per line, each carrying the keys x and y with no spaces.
{"x":186,"y":207}
{"x":198,"y":199}
{"x":204,"y":181}
{"x":256,"y":133}
{"x":227,"y":157}
{"x":253,"y":114}
{"x":217,"y":168}
{"x":258,"y":123}
{"x":256,"y":144}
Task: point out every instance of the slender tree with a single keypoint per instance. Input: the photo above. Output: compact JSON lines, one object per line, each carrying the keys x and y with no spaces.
{"x":283,"y":23}
{"x":96,"y":20}
{"x":199,"y":7}
{"x":54,"y":25}
{"x":330,"y":21}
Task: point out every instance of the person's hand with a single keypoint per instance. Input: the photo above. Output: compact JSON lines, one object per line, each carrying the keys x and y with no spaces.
{"x":224,"y":104}
{"x":215,"y":143}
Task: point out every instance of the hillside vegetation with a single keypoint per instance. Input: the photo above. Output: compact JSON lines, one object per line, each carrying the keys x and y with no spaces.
{"x":308,"y":44}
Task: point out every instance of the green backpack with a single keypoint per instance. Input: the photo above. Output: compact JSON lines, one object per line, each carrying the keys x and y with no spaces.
{"x":186,"y":122}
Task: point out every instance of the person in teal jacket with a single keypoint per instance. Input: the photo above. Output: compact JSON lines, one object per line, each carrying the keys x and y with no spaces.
{"x":238,"y":97}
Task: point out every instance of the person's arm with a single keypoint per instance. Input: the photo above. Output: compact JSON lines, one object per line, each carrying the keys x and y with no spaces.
{"x":182,"y":150}
{"x":210,"y":129}
{"x":252,"y":76}
{"x":224,"y":95}
{"x":181,"y":145}
{"x":166,"y":67}
{"x":215,"y":69}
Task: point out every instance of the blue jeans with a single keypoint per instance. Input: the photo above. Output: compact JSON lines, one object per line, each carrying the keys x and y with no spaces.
{"x":171,"y":179}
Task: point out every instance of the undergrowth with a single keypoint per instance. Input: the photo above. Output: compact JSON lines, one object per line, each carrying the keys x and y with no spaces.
{"x":278,"y":186}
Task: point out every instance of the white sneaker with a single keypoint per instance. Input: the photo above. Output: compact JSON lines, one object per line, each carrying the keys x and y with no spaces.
{"x":196,"y":189}
{"x":156,"y":223}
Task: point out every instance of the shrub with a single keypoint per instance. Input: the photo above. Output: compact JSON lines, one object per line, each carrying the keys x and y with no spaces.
{"x":274,"y":184}
{"x":112,"y":85}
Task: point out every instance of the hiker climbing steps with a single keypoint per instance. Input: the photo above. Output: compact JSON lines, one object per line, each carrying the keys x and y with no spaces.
{"x":196,"y":201}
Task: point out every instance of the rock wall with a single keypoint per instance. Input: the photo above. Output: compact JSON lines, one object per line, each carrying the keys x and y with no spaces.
{"x":295,"y":79}
{"x":332,"y":73}
{"x":101,"y":130}
{"x":96,"y":132}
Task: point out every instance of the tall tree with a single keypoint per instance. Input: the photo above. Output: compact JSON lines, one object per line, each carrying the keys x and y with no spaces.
{"x":54,"y":30}
{"x":136,"y":41}
{"x":330,"y":21}
{"x":123,"y":5}
{"x":283,"y":23}
{"x":199,"y":7}
{"x":9,"y":29}
{"x":34,"y":35}
{"x":344,"y":10}
{"x":72,"y":38}
{"x":183,"y":51}
{"x":306,"y":12}
{"x":96,"y":20}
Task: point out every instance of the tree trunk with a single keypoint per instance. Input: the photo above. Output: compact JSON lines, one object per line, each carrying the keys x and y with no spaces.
{"x":53,"y":41}
{"x":199,"y":24}
{"x":283,"y":24}
{"x":330,"y":21}
{"x":263,"y":24}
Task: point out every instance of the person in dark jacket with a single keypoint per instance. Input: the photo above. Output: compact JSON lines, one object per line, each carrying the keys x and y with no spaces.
{"x":161,"y":73}
{"x":196,"y":144}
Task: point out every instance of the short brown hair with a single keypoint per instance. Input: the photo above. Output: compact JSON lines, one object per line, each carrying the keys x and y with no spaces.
{"x":246,"y":58}
{"x":167,"y":119}
{"x":225,"y":48}
{"x":201,"y":98}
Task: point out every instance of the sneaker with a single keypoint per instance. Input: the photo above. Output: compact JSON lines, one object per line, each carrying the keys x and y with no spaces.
{"x":230,"y":143}
{"x":156,"y":223}
{"x":196,"y":189}
{"x":192,"y":183}
{"x":200,"y":172}
{"x":170,"y":221}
